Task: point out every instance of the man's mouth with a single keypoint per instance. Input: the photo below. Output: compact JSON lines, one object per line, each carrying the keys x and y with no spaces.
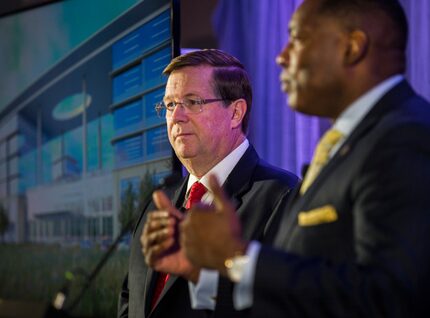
{"x":183,"y":135}
{"x":286,"y":83}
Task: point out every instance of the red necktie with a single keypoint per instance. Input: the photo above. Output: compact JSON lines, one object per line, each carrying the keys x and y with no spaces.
{"x":196,"y":193}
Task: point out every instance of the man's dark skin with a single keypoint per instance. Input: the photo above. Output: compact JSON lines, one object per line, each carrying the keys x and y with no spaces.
{"x":326,"y":65}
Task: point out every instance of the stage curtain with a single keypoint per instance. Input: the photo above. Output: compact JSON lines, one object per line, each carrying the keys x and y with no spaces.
{"x":255,"y":31}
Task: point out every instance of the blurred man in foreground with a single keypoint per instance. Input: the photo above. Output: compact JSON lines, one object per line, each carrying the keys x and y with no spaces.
{"x":352,"y":243}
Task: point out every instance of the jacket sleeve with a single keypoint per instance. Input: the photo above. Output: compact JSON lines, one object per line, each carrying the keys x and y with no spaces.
{"x":388,"y":276}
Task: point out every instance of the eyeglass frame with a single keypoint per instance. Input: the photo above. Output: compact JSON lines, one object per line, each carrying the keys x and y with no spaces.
{"x":159,"y":107}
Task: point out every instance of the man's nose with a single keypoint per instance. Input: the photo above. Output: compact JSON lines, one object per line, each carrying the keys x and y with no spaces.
{"x":178,"y":113}
{"x":283,"y":59}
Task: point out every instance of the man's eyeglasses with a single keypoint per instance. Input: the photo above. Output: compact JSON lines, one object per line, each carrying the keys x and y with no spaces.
{"x":188,"y":105}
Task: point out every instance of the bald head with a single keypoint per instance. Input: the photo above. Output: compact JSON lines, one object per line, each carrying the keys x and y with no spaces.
{"x":340,"y":49}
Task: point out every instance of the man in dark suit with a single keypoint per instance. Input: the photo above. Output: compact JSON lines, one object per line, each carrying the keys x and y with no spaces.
{"x":353,"y":243}
{"x":207,"y":105}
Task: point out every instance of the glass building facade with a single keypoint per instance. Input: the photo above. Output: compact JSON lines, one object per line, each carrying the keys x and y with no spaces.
{"x":86,"y":131}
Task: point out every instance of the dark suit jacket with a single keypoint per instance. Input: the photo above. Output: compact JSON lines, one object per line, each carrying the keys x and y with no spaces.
{"x":256,"y":189}
{"x":356,"y":241}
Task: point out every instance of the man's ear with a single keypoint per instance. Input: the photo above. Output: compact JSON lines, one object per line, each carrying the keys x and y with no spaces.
{"x":357,"y":46}
{"x":239,"y":109}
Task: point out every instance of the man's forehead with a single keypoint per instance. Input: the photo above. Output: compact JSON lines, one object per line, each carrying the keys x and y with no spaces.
{"x":190,"y":80}
{"x":300,"y":22}
{"x":191,"y":73}
{"x":307,"y":16}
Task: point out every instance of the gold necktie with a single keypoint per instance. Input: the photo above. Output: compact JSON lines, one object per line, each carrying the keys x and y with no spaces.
{"x":321,"y":156}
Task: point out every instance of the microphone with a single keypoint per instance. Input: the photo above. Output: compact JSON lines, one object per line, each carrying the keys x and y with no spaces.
{"x":62,"y":294}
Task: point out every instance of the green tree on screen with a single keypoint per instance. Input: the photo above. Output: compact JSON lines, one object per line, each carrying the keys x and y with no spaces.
{"x":127,"y":206}
{"x":146,"y":188}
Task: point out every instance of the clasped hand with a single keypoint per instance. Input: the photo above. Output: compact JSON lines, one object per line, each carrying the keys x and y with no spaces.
{"x":202,"y":238}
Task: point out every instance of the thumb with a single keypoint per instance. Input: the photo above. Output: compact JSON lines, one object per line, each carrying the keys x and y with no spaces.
{"x":221,"y":201}
{"x":162,"y":202}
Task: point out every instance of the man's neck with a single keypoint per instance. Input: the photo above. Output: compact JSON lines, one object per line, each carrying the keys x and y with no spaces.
{"x":223,"y":169}
{"x":201,"y":166}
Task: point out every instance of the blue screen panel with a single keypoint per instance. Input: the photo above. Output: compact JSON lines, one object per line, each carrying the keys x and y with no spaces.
{"x":157,"y":143}
{"x":153,"y":66}
{"x":129,"y":151}
{"x":142,"y":40}
{"x":127,"y":49}
{"x":107,"y":133}
{"x":127,"y":84}
{"x":128,"y":118}
{"x":156,"y":31}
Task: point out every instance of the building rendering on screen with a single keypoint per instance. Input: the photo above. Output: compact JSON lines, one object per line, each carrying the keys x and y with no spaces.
{"x":85,"y":137}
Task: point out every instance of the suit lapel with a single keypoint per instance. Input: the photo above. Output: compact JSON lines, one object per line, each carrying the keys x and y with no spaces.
{"x":297,"y":203}
{"x":240,"y":179}
{"x":382,"y":107}
{"x":237,"y":183}
{"x":287,"y":221}
{"x":152,"y":276}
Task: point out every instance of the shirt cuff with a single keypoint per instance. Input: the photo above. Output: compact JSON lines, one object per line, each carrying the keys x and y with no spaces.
{"x":203,"y":294}
{"x":243,"y":291}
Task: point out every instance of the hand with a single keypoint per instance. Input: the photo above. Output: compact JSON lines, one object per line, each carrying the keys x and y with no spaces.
{"x":160,"y":240}
{"x":211,"y":234}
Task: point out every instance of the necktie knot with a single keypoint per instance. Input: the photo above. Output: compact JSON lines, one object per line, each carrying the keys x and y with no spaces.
{"x":325,"y":145}
{"x":197,"y":191}
{"x":321,"y":156}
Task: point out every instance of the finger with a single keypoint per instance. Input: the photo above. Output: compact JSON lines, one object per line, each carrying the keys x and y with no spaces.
{"x":155,"y":253}
{"x":158,"y":215}
{"x":149,"y":240}
{"x":144,"y":236}
{"x":221,"y":201}
{"x":152,"y":225}
{"x":159,"y":236}
{"x":158,"y":220}
{"x":162,"y":202}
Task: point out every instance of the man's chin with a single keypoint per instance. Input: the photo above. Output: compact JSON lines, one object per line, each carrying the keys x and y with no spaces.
{"x":296,"y":106}
{"x":292,"y":101}
{"x":185,"y":154}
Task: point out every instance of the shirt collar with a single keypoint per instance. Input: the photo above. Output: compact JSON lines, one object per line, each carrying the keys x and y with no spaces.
{"x":354,"y":113}
{"x":223,"y":168}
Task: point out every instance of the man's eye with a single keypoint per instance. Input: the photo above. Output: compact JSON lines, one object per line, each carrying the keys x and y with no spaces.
{"x":193,"y":102}
{"x":170,"y":105}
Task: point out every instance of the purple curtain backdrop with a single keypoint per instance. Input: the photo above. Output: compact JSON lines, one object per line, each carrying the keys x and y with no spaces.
{"x":255,"y":31}
{"x":418,"y":72}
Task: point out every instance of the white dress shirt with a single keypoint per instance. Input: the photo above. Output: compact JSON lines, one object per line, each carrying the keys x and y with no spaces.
{"x":203,"y":294}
